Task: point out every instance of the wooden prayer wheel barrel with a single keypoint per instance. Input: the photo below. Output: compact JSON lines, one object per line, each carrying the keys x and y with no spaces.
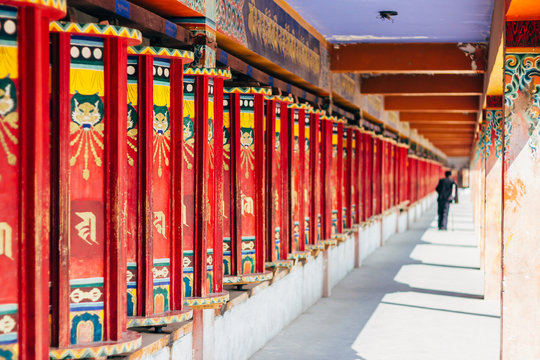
{"x":312,"y":181}
{"x":89,"y":160}
{"x":277,"y":249}
{"x":202,"y":188}
{"x":154,"y":205}
{"x":244,"y":221}
{"x":298,"y":183}
{"x":25,"y":176}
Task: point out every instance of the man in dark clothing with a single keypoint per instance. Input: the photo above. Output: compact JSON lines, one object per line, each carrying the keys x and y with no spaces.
{"x":445,"y":189}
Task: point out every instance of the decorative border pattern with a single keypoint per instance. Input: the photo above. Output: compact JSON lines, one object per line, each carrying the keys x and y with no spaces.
{"x":312,"y":110}
{"x":284,"y":264}
{"x":223,"y":73}
{"x":161,"y":52}
{"x":213,"y":300}
{"x":299,"y":106}
{"x":130,"y":342}
{"x":299,"y":255}
{"x":329,"y":118}
{"x":329,"y":242}
{"x":59,"y":5}
{"x":134,"y":36}
{"x":169,"y":318}
{"x":287,"y":99}
{"x":339,"y":237}
{"x":248,"y":90}
{"x":521,"y":73}
{"x":312,"y":247}
{"x":248,"y":278}
{"x":525,"y":34}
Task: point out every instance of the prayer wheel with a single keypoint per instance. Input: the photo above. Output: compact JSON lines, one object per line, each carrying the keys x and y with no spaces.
{"x":89,"y":161}
{"x":297,"y":200}
{"x":25,"y":176}
{"x":202,"y":188}
{"x":244,"y":181}
{"x":154,"y":206}
{"x":277,"y":185}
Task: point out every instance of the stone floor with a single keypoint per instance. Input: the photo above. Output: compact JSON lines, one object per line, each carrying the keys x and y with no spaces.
{"x":418,"y":297}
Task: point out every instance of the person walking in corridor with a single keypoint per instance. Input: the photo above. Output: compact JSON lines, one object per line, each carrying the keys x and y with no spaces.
{"x":445,"y":188}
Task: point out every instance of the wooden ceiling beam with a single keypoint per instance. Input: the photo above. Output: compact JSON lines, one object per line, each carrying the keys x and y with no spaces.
{"x":408,"y":58}
{"x":442,"y":84}
{"x":437,"y":117}
{"x":457,"y":104}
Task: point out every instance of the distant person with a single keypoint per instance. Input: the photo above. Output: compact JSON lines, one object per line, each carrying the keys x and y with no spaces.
{"x":445,"y":188}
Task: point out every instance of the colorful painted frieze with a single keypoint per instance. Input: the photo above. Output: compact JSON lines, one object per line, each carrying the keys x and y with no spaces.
{"x":244,"y":222}
{"x":154,"y":125}
{"x":89,"y":112}
{"x":202,"y":193}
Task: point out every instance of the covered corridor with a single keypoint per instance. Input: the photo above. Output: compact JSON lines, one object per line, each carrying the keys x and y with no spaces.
{"x":183,"y":179}
{"x":419,"y":296}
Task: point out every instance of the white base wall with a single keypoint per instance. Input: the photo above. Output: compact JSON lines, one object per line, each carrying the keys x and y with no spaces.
{"x":402,"y":221}
{"x":370,"y":239}
{"x":182,"y":348}
{"x":341,"y":260}
{"x":389,"y":225}
{"x":244,"y":329}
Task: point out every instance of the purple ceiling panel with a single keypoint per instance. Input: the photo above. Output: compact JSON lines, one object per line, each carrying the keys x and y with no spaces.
{"x":343,"y":21}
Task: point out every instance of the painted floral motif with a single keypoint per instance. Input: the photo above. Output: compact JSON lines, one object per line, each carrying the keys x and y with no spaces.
{"x":211,"y":142}
{"x":86,"y":130}
{"x":9,"y":119}
{"x":189,"y":141}
{"x":226,"y":148}
{"x":132,"y":132}
{"x":162,"y":137}
{"x":522,"y":97}
{"x":495,"y":121}
{"x":230,"y":19}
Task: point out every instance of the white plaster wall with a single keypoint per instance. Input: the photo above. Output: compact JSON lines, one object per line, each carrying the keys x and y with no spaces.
{"x":417,"y":211}
{"x":182,"y":349}
{"x":162,"y":354}
{"x":312,"y":282}
{"x":389,"y":225}
{"x":370,"y":239}
{"x":402,"y":221}
{"x":341,"y":259}
{"x":248,"y":326}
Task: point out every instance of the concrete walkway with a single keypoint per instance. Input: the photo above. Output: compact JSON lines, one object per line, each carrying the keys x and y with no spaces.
{"x":418,"y":297}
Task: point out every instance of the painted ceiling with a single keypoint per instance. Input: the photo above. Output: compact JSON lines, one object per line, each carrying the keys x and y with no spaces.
{"x":423,"y":21}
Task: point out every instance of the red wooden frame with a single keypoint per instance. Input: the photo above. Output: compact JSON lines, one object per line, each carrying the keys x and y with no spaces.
{"x":145,"y":191}
{"x":25,"y":183}
{"x":326,"y":166}
{"x":114,"y":200}
{"x":208,"y":189}
{"x":276,"y":183}
{"x":254,"y":97}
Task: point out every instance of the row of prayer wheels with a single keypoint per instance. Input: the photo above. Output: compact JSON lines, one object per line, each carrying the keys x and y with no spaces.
{"x":134,"y":187}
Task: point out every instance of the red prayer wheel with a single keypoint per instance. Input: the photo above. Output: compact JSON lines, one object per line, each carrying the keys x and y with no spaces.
{"x":154,"y":134}
{"x":277,"y":184}
{"x":25,"y":176}
{"x":89,"y":112}
{"x":202,"y":188}
{"x":244,"y":220}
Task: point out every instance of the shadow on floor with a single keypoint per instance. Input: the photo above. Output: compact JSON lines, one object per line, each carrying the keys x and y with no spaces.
{"x":329,"y":328}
